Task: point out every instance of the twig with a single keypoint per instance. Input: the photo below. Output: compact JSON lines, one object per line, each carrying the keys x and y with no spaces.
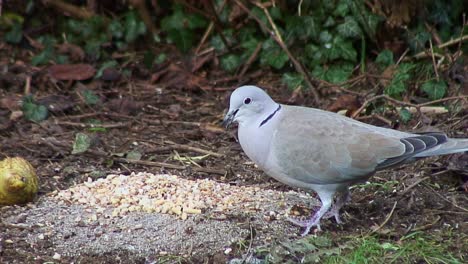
{"x":413,"y":185}
{"x":168,"y":165}
{"x":386,"y":219}
{"x":72,"y":10}
{"x":277,"y":37}
{"x":427,"y":226}
{"x":140,"y":5}
{"x":445,"y":199}
{"x":87,"y":125}
{"x":210,"y":29}
{"x":433,"y":61}
{"x":195,"y":149}
{"x":395,"y":101}
{"x":19,"y":226}
{"x":251,"y":59}
{"x":424,"y":53}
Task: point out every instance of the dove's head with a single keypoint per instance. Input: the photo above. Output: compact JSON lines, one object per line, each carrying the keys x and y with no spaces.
{"x":248,"y":103}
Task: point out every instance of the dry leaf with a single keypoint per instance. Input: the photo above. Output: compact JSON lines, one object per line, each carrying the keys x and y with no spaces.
{"x":71,"y":72}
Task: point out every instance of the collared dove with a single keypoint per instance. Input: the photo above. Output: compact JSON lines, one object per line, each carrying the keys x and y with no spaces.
{"x":323,"y":151}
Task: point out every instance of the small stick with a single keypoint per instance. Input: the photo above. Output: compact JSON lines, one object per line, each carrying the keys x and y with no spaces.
{"x":424,"y":53}
{"x":277,"y":37}
{"x":413,"y":185}
{"x":79,"y":124}
{"x":168,"y":165}
{"x":250,"y":60}
{"x":386,"y":219}
{"x":433,"y":60}
{"x":448,"y":201}
{"x":195,"y":149}
{"x":417,"y":106}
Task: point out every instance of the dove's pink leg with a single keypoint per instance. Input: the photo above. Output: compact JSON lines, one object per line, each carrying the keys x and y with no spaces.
{"x":327,"y":198}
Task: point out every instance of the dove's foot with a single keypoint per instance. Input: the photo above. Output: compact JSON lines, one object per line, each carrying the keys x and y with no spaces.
{"x":308,"y":224}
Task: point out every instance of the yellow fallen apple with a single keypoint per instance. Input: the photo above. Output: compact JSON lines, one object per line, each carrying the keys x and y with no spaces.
{"x":18,"y":181}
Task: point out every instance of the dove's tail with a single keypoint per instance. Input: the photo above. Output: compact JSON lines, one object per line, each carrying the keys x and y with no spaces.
{"x":453,"y":145}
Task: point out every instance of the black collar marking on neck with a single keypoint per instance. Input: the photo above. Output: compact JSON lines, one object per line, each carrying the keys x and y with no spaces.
{"x":270,"y":116}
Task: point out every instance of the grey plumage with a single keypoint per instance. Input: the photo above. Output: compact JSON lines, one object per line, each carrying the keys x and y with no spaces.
{"x":323,"y":151}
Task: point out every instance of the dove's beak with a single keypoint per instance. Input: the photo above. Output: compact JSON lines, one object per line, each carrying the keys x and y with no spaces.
{"x":229,"y":118}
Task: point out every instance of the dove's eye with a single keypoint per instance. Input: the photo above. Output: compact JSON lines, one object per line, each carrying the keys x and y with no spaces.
{"x":247,"y":100}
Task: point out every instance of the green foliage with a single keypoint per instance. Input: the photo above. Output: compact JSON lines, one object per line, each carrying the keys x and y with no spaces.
{"x":33,"y":111}
{"x":435,"y":89}
{"x":331,"y":39}
{"x":385,"y":59}
{"x":273,"y":55}
{"x":336,"y":73}
{"x":15,"y":34}
{"x":105,"y":65}
{"x":47,"y":54}
{"x":414,"y":248}
{"x":398,"y":85}
{"x":180,"y":27}
{"x":405,"y":115}
{"x":293,"y":80}
{"x":230,"y":62}
{"x":90,"y":97}
{"x":81,"y":144}
{"x":309,"y":249}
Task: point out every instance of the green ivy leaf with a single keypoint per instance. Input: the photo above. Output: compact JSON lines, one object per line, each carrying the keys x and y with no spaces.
{"x":134,"y":26}
{"x":385,"y":58}
{"x":32,"y":111}
{"x":419,"y":40}
{"x":230,"y":62}
{"x":116,"y":29}
{"x":275,"y":13}
{"x":314,"y":54}
{"x":273,"y":55}
{"x":303,"y":27}
{"x":250,"y":45}
{"x":336,"y":73}
{"x":435,"y":89}
{"x":81,"y":144}
{"x":160,"y":58}
{"x":330,"y":22}
{"x":325,"y":37}
{"x":105,"y":65}
{"x":42,"y":58}
{"x":90,"y":97}
{"x":349,"y":28}
{"x":47,"y":54}
{"x":292,"y":80}
{"x":398,"y":84}
{"x":405,"y":115}
{"x":134,"y":155}
{"x":340,"y":49}
{"x":183,"y":39}
{"x":217,"y":43}
{"x":15,"y":34}
{"x":342,"y":9}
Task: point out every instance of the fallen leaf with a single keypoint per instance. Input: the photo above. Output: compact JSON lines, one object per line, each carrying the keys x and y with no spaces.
{"x":11,"y":102}
{"x":73,"y":72}
{"x":347,"y":102}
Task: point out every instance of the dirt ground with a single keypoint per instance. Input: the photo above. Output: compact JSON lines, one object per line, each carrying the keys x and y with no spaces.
{"x":161,"y":120}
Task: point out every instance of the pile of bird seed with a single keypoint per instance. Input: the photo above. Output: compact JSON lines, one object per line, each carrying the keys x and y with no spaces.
{"x":167,"y":194}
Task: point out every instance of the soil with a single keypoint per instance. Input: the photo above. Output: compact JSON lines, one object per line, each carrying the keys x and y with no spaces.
{"x":161,"y":120}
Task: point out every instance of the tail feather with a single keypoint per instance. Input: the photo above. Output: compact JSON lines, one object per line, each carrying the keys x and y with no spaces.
{"x":453,"y":145}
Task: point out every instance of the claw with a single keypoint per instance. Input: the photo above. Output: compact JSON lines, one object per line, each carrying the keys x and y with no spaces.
{"x":308,"y":224}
